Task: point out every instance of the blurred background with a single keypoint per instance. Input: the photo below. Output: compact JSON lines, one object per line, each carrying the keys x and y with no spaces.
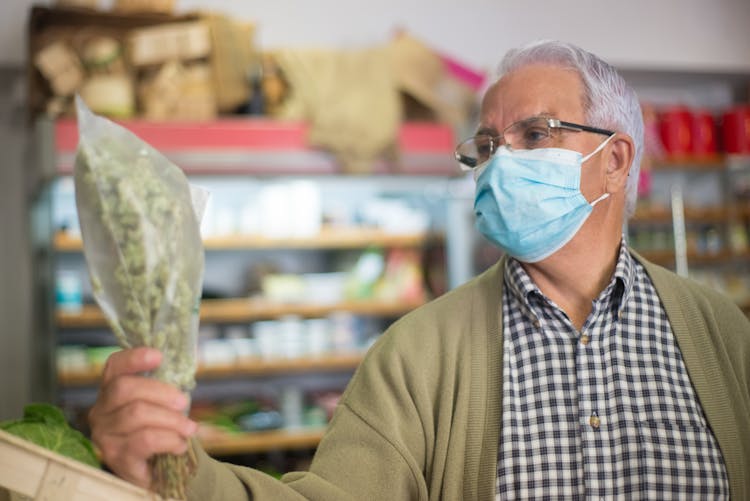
{"x":324,"y":132}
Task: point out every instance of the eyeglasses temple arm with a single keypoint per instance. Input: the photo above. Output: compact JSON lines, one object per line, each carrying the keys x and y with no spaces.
{"x":467,"y":161}
{"x":586,"y":128}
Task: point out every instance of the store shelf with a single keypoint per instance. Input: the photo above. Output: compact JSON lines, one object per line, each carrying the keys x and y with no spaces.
{"x":257,"y":152}
{"x":667,"y":257}
{"x":249,"y":367}
{"x":247,"y":310}
{"x":692,"y":215}
{"x":245,"y":443}
{"x":328,"y":238}
{"x":259,"y":146}
{"x":702,"y":163}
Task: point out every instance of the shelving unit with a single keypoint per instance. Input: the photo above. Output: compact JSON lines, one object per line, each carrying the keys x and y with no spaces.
{"x":711,"y":216}
{"x":263,"y":151}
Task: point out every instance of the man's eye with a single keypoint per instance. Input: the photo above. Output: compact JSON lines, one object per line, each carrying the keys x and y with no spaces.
{"x":535,"y":135}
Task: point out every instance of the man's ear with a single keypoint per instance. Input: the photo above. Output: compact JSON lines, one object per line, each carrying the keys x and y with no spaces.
{"x":622,"y":152}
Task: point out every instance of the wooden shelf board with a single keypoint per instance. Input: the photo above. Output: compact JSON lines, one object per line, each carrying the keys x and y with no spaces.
{"x":246,"y":310}
{"x":668,"y":257}
{"x":719,"y":214}
{"x":687,"y":162}
{"x":328,"y":238}
{"x":662,"y":257}
{"x":250,"y":367}
{"x":259,"y":367}
{"x":244,"y":443}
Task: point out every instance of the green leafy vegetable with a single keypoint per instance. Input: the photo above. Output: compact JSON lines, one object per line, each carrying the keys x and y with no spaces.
{"x":45,"y":425}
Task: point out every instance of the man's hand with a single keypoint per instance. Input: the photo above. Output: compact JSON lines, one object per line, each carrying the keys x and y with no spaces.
{"x":135,"y":417}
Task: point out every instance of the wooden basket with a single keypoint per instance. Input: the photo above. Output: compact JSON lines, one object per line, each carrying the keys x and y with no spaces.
{"x":28,"y":471}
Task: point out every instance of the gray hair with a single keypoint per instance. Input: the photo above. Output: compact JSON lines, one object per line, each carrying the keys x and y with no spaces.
{"x":608,"y":101}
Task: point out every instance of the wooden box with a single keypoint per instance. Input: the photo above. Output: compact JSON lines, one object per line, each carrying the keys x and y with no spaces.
{"x":169,"y":42}
{"x":28,"y":471}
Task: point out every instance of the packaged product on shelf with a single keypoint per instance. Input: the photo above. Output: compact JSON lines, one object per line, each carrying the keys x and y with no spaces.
{"x":111,"y":95}
{"x":291,"y":404}
{"x":318,"y":336}
{"x":139,"y":221}
{"x":176,"y":91}
{"x":738,"y":238}
{"x":68,"y":291}
{"x":736,"y":129}
{"x":216,"y":352}
{"x":292,"y":337}
{"x":103,"y":55}
{"x":266,"y":337}
{"x":169,"y":42}
{"x":232,"y":57}
{"x":61,"y":67}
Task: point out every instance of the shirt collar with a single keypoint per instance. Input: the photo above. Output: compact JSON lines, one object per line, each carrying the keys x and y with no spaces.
{"x":519,"y":283}
{"x":623,"y":279}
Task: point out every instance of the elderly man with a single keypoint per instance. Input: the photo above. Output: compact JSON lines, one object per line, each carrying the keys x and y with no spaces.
{"x":573,"y":368}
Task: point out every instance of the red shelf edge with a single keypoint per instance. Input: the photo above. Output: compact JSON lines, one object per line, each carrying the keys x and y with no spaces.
{"x":250,"y":134}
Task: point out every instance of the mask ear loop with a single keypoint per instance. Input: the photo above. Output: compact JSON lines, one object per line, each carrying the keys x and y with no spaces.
{"x":597,"y":150}
{"x":605,"y":196}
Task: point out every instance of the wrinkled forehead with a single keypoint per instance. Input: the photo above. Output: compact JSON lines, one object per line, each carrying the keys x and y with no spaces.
{"x":532,"y":90}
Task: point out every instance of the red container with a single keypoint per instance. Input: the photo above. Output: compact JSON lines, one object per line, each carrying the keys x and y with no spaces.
{"x":676,"y":131}
{"x":704,"y":135}
{"x":736,"y":129}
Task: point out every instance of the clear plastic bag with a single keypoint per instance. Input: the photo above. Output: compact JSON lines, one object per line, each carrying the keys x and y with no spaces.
{"x":140,"y":222}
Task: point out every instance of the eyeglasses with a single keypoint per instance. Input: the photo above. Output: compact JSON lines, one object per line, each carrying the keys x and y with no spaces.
{"x":527,"y":134}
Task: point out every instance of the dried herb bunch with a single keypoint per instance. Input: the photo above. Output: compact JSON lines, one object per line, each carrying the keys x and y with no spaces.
{"x":145,"y":257}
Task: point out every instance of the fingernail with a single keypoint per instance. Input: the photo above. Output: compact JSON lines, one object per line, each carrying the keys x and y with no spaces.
{"x":181,"y":401}
{"x":152,"y":356}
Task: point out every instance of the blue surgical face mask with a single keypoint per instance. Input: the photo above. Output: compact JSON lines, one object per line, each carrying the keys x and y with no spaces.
{"x":529,"y":202}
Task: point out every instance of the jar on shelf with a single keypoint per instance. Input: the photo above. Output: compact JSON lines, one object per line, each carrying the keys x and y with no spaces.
{"x":736,"y":129}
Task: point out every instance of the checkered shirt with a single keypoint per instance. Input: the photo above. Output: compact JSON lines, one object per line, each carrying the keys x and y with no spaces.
{"x":608,"y":412}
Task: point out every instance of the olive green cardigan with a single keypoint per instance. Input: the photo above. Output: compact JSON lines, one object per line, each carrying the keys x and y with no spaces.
{"x":420,"y":419}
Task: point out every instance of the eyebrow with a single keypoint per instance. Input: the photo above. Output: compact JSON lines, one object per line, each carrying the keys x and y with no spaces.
{"x":490,"y":131}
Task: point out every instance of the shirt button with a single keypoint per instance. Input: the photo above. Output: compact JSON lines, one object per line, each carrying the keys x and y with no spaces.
{"x":536,"y":323}
{"x":585,"y":339}
{"x":594,"y":421}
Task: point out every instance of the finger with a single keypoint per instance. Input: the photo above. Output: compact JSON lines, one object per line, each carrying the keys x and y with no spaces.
{"x":134,"y":470}
{"x":141,"y":414}
{"x":131,"y":361}
{"x":128,"y":456}
{"x":126,"y":389}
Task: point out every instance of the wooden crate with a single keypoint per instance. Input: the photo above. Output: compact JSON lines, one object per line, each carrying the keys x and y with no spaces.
{"x":47,"y":25}
{"x":28,"y":471}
